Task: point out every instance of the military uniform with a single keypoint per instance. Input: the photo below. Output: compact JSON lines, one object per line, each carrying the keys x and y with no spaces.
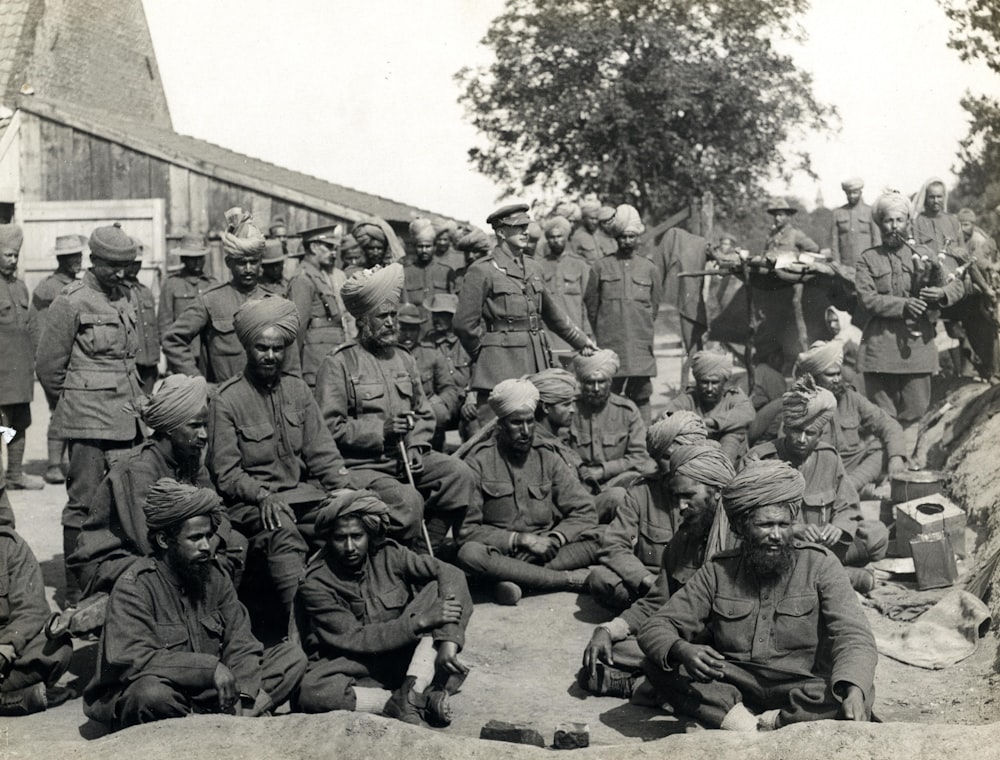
{"x":159,"y":650}
{"x":422,"y":283}
{"x":18,"y":338}
{"x":731,"y":417}
{"x":148,"y":357}
{"x":275,"y":287}
{"x":362,"y":625}
{"x":854,"y":231}
{"x":591,"y":246}
{"x":612,"y":438}
{"x":830,"y":498}
{"x":210,"y":318}
{"x":939,"y":233}
{"x":565,"y":277}
{"x":438,"y":381}
{"x":793,"y":643}
{"x":357,"y":392}
{"x":543,"y":495}
{"x":502,"y":310}
{"x":178,"y":293}
{"x":45,"y":293}
{"x":322,"y":316}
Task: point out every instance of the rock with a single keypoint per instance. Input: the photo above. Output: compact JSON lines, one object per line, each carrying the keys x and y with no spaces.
{"x":516,"y":733}
{"x":571,"y":736}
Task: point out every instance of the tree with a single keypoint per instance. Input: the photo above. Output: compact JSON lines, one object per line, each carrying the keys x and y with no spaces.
{"x":650,"y":102}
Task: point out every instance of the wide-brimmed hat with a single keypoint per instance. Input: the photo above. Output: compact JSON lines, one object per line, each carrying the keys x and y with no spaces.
{"x":780,"y":204}
{"x":67,"y":245}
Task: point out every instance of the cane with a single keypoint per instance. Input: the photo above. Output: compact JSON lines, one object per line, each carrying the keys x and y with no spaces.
{"x":409,"y":476}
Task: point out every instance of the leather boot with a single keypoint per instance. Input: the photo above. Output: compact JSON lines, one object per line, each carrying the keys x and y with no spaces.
{"x":53,"y":471}
{"x":406,"y":705}
{"x":26,"y":701}
{"x":73,"y":590}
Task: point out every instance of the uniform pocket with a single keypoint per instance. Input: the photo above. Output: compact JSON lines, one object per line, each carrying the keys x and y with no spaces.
{"x":499,"y":508}
{"x":796,"y":623}
{"x":733,"y":626}
{"x":101,"y":331}
{"x":257,"y":443}
{"x":652,"y":541}
{"x":572,"y":285}
{"x":371,"y":398}
{"x":612,"y":285}
{"x":296,"y":419}
{"x":642,"y":288}
{"x":172,"y":635}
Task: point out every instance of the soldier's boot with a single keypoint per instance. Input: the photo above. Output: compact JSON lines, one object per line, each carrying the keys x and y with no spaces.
{"x":31,"y":699}
{"x":53,"y":470}
{"x":286,"y":572}
{"x":607,"y":682}
{"x":17,"y":478}
{"x":73,"y":590}
{"x":406,"y":704}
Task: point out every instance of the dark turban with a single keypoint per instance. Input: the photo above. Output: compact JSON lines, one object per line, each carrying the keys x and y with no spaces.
{"x":178,"y":399}
{"x":169,"y":503}
{"x":702,"y":463}
{"x":604,"y":361}
{"x":510,"y":396}
{"x":256,"y":315}
{"x":368,"y":289}
{"x":379,"y":229}
{"x":821,"y":356}
{"x":555,"y":385}
{"x":762,"y":483}
{"x":805,"y":404}
{"x":241,"y":238}
{"x":683,"y":428}
{"x":890,"y":201}
{"x":711,"y":363}
{"x":366,"y":505}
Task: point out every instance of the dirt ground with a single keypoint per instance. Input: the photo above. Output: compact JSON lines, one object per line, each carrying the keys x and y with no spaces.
{"x":523,"y":662}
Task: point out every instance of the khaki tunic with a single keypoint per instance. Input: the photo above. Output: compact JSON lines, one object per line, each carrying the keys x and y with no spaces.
{"x":18,"y":336}
{"x":854,"y":231}
{"x":613,"y":438}
{"x":321,"y":315}
{"x":146,"y":325}
{"x":565,"y":277}
{"x":422,"y":283}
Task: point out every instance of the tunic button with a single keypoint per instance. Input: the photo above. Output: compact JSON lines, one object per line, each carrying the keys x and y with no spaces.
{"x":765,"y":596}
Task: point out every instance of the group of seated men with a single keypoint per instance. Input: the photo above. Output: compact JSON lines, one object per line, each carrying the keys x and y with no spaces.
{"x":327,"y":511}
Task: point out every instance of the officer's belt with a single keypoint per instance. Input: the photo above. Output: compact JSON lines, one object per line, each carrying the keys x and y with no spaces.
{"x":529,"y":324}
{"x":109,"y":364}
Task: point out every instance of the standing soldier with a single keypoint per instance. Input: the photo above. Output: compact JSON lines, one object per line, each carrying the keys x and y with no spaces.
{"x":148,"y":359}
{"x":69,"y":259}
{"x":426,"y":276}
{"x":565,"y":275}
{"x":588,"y":240}
{"x":18,"y":338}
{"x":315,"y":290}
{"x":437,"y":381}
{"x":442,"y":337}
{"x":623,"y":296}
{"x":504,"y":308}
{"x":182,"y":288}
{"x":444,"y":248}
{"x":272,"y":269}
{"x":86,"y":357}
{"x":854,"y":230}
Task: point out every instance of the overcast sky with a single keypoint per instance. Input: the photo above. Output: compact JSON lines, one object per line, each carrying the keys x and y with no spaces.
{"x":361,"y":92}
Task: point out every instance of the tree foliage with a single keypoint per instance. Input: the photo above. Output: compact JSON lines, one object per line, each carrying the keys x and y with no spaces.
{"x":650,"y":102}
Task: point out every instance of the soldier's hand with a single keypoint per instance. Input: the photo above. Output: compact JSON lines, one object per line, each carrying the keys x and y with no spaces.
{"x":447,"y":658}
{"x":896,"y":464}
{"x":853,"y":707}
{"x":932,"y":295}
{"x":914,"y":307}
{"x":416,"y":459}
{"x":271,"y":509}
{"x":225,"y":685}
{"x":590,"y":473}
{"x":589,"y":348}
{"x":396,"y":427}
{"x":829,"y":535}
{"x":701,"y":660}
{"x":598,"y":650}
{"x":539,"y":545}
{"x":808,"y":533}
{"x":442,"y":611}
{"x":469,"y":407}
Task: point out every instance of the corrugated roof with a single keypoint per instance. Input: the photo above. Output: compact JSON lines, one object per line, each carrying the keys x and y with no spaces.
{"x":227,"y":165}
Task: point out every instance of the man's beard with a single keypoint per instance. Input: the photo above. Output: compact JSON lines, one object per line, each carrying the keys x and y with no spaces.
{"x":192,"y":575}
{"x":763,"y":564}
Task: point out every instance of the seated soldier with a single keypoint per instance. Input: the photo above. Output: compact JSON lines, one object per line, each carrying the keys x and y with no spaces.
{"x":382,"y":626}
{"x":268,"y":447}
{"x":114,"y":534}
{"x":727,"y":411}
{"x":869,"y":441}
{"x":438,"y":382}
{"x":176,"y":639}
{"x":768,"y":380}
{"x":674,"y":429}
{"x":607,"y":432}
{"x":372,"y":401}
{"x":558,"y":391}
{"x":772,"y":627}
{"x":532,"y":524}
{"x":830,"y":514}
{"x":30,"y":662}
{"x":697,"y":474}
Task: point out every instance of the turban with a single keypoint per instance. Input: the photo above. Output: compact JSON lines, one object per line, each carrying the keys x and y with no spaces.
{"x":178,"y":399}
{"x":606,"y":213}
{"x":683,"y":428}
{"x":169,"y":503}
{"x":422,"y":231}
{"x":348,"y":243}
{"x":475,"y":241}
{"x":11,"y":238}
{"x":604,"y":361}
{"x":255,"y":316}
{"x":762,"y":483}
{"x":534,"y":231}
{"x":112,"y":244}
{"x":966,"y":215}
{"x":448,"y":228}
{"x":368,"y":289}
{"x":366,"y":505}
{"x":590,"y":208}
{"x":890,"y":201}
{"x":555,"y":385}
{"x":511,"y":396}
{"x":567,"y":209}
{"x":821,"y":356}
{"x":702,"y":463}
{"x":854,"y":183}
{"x":557,"y":224}
{"x":627,"y":219}
{"x":805,"y":404}
{"x":710,"y":363}
{"x":241,"y":239}
{"x":365,"y":232}
{"x":379,"y":230}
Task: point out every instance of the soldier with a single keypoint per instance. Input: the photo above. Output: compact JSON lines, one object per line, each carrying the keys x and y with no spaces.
{"x":272,"y":269}
{"x":933,"y":226}
{"x":210,"y":316}
{"x":532,"y":525}
{"x":727,"y":412}
{"x":444,"y":246}
{"x":69,"y":260}
{"x":176,"y":639}
{"x":854,"y":230}
{"x":352,"y":257}
{"x":623,"y":297}
{"x":86,"y":357}
{"x":726,"y":644}
{"x":435,"y":375}
{"x":379,"y":242}
{"x":324,"y":324}
{"x":474,"y":245}
{"x":372,"y":400}
{"x":588,"y":240}
{"x":147,"y":360}
{"x":268,"y":447}
{"x":427,"y":275}
{"x":457,"y":361}
{"x":18,"y":339}
{"x":504,"y":307}
{"x":279,"y":231}
{"x":565,"y":276}
{"x":182,"y":288}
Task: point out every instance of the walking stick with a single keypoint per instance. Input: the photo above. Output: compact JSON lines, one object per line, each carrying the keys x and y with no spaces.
{"x":401,"y":447}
